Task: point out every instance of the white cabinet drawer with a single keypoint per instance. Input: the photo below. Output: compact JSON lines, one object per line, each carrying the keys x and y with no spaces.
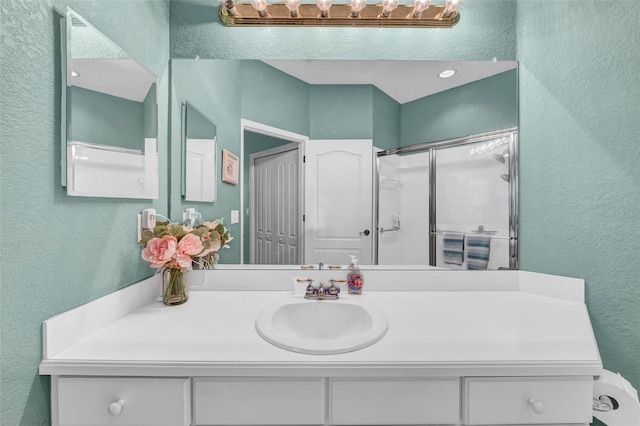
{"x":239,"y":401}
{"x":402,"y":401}
{"x":87,"y":401}
{"x":498,"y":401}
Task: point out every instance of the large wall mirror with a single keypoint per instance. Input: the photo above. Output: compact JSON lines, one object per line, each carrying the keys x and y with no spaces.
{"x":312,"y":135}
{"x":110,"y":117}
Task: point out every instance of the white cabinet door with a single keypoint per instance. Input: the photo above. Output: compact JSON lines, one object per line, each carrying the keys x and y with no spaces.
{"x":528,"y":400}
{"x":338,"y":201}
{"x":97,"y":401}
{"x":395,"y":401}
{"x":254,"y":401}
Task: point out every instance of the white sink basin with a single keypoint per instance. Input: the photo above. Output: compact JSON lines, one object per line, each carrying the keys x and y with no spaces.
{"x":321,"y":327}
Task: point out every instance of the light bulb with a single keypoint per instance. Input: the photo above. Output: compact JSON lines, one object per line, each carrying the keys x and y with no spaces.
{"x":230,"y":6}
{"x":323,"y":6}
{"x":420,"y":6}
{"x":292,"y":5}
{"x":260,"y":6}
{"x":356,"y":7}
{"x":452,"y":6}
{"x":388,"y":6}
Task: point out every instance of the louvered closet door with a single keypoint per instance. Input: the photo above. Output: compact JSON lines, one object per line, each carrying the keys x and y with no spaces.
{"x":275,"y":207}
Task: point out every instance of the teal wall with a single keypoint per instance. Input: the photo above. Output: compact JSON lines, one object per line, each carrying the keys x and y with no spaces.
{"x":341,"y":112}
{"x":478,"y":107}
{"x":274,"y":98}
{"x":103,"y":119}
{"x":198,"y":126}
{"x":58,"y":252}
{"x":150,"y":113}
{"x":579,"y":158}
{"x":386,"y":120}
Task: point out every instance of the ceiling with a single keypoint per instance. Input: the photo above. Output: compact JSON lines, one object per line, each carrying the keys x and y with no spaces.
{"x":404,"y":81}
{"x":123,"y":78}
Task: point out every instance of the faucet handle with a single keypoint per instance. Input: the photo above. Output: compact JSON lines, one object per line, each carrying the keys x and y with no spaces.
{"x":310,"y":292}
{"x":333,"y":291}
{"x":334,"y":281}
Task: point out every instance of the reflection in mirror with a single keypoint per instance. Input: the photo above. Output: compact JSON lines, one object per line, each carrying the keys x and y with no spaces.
{"x":329,"y":107}
{"x":199,"y":155}
{"x":111,"y":117}
{"x":471,"y":208}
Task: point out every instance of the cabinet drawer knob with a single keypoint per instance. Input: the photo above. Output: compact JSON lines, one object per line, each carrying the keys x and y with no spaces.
{"x":115,"y":408}
{"x":537,"y":407}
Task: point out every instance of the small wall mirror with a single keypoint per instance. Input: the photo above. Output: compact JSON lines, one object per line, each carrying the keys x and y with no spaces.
{"x":110,"y":117}
{"x":199,"y":155}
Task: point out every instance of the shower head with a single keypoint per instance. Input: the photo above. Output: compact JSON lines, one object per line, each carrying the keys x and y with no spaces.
{"x":501,"y":157}
{"x":505,"y":177}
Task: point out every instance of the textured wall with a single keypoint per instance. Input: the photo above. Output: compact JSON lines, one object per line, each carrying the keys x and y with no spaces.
{"x":104,"y":119}
{"x":274,"y":98}
{"x":579,"y":157}
{"x":341,"y":112}
{"x":386,"y":120}
{"x":477,"y":107}
{"x":58,"y":252}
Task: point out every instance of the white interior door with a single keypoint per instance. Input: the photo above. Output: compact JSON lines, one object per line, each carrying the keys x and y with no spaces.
{"x":200,"y":170}
{"x":275,"y":209}
{"x":338,"y":201}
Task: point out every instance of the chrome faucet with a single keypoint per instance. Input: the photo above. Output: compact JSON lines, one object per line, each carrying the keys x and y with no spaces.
{"x":320,"y":266}
{"x":322,"y":293}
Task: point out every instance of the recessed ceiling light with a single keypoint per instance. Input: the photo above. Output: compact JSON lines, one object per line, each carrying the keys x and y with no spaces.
{"x":447,"y":73}
{"x":74,"y":74}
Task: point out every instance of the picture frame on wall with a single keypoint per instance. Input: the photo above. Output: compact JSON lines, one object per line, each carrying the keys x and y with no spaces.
{"x":230,"y":165}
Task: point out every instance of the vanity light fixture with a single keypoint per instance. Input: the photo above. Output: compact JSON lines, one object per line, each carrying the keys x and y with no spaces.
{"x":353,"y":13}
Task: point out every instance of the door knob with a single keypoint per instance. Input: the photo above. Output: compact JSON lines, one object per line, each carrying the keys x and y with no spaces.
{"x":365,"y":232}
{"x":115,"y":408}
{"x":536,"y":406}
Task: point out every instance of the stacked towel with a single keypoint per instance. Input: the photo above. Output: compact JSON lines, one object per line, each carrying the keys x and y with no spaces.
{"x":453,"y":248}
{"x":478,"y":251}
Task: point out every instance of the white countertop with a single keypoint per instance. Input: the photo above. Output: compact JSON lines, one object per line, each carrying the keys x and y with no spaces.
{"x":430,"y":333}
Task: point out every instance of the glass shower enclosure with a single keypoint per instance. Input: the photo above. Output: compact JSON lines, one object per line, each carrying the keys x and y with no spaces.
{"x":450,"y":204}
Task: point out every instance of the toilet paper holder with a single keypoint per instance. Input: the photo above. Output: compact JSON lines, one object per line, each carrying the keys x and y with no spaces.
{"x":605,"y":403}
{"x":615,"y":401}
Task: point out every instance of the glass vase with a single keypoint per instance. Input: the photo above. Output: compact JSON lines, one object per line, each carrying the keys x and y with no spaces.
{"x":208,"y":261}
{"x":174,"y":290}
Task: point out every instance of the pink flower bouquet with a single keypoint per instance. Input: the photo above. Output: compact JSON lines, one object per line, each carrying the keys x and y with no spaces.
{"x":172,"y":245}
{"x":177,"y":247}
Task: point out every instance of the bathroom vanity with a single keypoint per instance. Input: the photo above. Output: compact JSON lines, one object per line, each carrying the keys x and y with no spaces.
{"x":481,"y":348}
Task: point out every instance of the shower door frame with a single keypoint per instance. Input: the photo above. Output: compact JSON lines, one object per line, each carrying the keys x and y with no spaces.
{"x":431,"y":148}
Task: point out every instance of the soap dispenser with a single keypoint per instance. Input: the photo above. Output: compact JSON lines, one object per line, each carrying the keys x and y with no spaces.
{"x":355,"y":279}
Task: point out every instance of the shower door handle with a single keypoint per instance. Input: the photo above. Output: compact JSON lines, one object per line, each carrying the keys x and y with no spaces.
{"x":365,"y":232}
